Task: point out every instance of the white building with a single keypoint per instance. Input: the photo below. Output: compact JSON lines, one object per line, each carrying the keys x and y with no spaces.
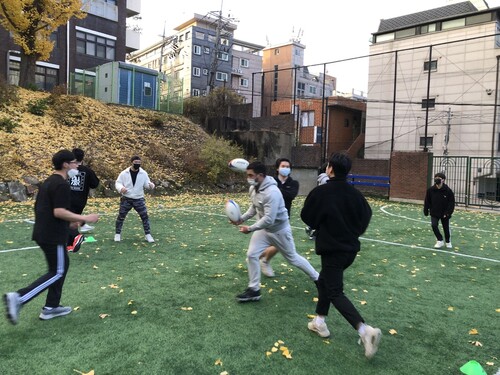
{"x":434,"y":73}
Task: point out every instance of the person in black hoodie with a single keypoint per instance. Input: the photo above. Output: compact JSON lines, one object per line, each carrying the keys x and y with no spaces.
{"x":289,"y":189}
{"x":440,"y":203}
{"x":80,"y":185}
{"x":340,"y":214}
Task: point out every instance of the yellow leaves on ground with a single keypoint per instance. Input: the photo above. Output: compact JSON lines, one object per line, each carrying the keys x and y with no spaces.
{"x":451,"y":308}
{"x":91,"y":372}
{"x":186,"y":308}
{"x":218,"y":362}
{"x":103,"y":316}
{"x":393,"y":332}
{"x":473,"y":331}
{"x":476,"y":343}
{"x":279,"y":346}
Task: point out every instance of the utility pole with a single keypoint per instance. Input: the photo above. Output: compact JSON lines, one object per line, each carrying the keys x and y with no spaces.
{"x":447,"y":136}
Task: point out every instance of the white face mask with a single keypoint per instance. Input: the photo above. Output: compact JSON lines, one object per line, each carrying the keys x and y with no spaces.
{"x":285,"y":171}
{"x":251,"y":181}
{"x":72,"y":173}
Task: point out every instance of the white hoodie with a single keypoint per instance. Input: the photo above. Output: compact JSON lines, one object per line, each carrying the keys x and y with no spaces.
{"x":133,"y":191}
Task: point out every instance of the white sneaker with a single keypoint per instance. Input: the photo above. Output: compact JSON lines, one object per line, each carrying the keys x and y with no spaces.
{"x":320,"y":328}
{"x":266,"y":268}
{"x":439,"y":244}
{"x":371,"y":340}
{"x":149,"y":238}
{"x":118,"y":237}
{"x":448,"y":245}
{"x":86,"y":228}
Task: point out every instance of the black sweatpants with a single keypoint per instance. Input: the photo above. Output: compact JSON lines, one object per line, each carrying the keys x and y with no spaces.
{"x":445,"y":221}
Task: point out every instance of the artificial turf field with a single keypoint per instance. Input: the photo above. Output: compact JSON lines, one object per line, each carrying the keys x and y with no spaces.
{"x":169,"y":307}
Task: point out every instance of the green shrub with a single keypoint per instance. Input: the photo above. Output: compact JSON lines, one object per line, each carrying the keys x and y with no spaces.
{"x":37,"y":107}
{"x":8,"y":125}
{"x":8,"y":93}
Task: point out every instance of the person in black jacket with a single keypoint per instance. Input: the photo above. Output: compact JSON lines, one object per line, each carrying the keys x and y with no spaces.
{"x":80,"y":185}
{"x":340,"y":214}
{"x":289,"y":189}
{"x":440,"y":203}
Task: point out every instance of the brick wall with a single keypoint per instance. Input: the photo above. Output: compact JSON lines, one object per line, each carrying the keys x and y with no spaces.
{"x":409,"y":175}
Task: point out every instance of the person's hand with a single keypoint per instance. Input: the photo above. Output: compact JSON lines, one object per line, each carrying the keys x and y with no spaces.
{"x":123,"y":190}
{"x":245,"y":229}
{"x":151,"y":185}
{"x":74,"y":224}
{"x":236,"y":222}
{"x":91,"y":218}
{"x":426,"y":212}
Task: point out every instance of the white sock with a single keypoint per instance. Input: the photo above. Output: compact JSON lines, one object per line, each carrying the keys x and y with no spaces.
{"x":362,"y":329}
{"x":319,"y":319}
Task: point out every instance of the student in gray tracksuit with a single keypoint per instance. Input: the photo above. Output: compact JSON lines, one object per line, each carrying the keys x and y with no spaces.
{"x":272,"y":228}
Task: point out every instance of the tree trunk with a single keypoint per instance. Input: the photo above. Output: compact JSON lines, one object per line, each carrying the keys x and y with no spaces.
{"x":27,"y":70}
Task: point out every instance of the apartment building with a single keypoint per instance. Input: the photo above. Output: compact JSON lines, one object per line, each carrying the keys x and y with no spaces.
{"x":433,"y":83}
{"x":286,"y":77}
{"x":202,"y":54}
{"x":97,"y":39}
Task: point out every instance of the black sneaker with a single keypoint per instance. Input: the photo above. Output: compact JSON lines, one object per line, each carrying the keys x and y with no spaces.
{"x":248,"y":295}
{"x":77,"y":242}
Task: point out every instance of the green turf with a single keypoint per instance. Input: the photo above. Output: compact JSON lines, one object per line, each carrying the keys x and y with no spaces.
{"x":171,"y":306}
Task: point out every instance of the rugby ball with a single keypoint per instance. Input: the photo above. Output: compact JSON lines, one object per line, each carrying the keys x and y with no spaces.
{"x":233,"y":211}
{"x":238,"y":165}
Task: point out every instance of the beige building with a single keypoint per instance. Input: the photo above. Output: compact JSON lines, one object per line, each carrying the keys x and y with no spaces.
{"x":433,"y":83}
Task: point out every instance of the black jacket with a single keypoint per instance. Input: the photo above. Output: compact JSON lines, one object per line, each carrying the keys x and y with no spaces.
{"x":339,"y":213}
{"x":289,"y":189}
{"x":439,"y":202}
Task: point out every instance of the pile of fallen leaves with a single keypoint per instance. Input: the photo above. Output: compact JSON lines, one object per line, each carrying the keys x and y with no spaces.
{"x":109,"y":134}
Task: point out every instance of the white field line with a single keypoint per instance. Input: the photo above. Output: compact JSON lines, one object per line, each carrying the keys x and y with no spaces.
{"x":302,"y":228}
{"x":384,"y":210}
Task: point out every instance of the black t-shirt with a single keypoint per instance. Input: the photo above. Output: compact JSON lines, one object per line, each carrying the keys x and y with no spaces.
{"x":80,"y":185}
{"x":54,"y":193}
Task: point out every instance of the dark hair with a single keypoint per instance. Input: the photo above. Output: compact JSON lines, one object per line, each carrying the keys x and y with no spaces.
{"x":134,"y":158}
{"x":257,"y":167}
{"x":278,"y":162}
{"x":61,"y":157}
{"x":322,"y":169}
{"x":79,"y":154}
{"x":340,"y":163}
{"x":440,"y":175}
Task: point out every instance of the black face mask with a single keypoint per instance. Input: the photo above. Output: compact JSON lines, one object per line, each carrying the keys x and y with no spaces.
{"x":437,"y":181}
{"x":136,"y":166}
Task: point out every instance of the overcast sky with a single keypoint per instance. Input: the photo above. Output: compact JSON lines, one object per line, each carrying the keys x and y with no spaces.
{"x":347,"y":25}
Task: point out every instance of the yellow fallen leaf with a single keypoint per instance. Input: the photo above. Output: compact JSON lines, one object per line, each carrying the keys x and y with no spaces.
{"x":121,"y":291}
{"x":95,"y":267}
{"x":134,"y":312}
{"x":113,"y":286}
{"x":363,"y":302}
{"x":473,"y":331}
{"x":392,"y":331}
{"x":218,"y":362}
{"x":186,"y":308}
{"x":497,"y":310}
{"x":287,"y":354}
{"x":315,"y":299}
{"x":476,"y":343}
{"x":311,"y":316}
{"x":283,"y":348}
{"x":84,"y":373}
{"x":224,"y":373}
{"x":274,"y":349}
{"x":130,"y":302}
{"x":451,"y":308}
{"x":281,"y":342}
{"x":76,"y":308}
{"x":268,"y":353}
{"x":490,"y":363}
{"x":102,"y":316}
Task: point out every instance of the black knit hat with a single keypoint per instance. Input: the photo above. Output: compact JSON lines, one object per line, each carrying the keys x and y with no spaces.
{"x":61,"y":157}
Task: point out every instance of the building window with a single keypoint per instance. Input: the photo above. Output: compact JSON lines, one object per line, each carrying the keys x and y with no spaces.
{"x":244,"y":63}
{"x":196,"y":49}
{"x":199,"y":35}
{"x":187,"y":35}
{"x":277,"y":51}
{"x":244,"y":82}
{"x":430,"y":28}
{"x":95,"y":45}
{"x":45,"y":78}
{"x":203,"y":92}
{"x":384,"y":37}
{"x":405,"y":33}
{"x":148,"y":91}
{"x":196,"y":71}
{"x":223,"y":56}
{"x":429,"y":141}
{"x":181,"y":38}
{"x":220,"y":76}
{"x":433,"y":64}
{"x":312,"y":90}
{"x":480,"y":18}
{"x":306,"y":119}
{"x":196,"y":92}
{"x":431,"y":104}
{"x":301,"y":88}
{"x":224,"y":41}
{"x":319,"y":134}
{"x":453,"y":24}
{"x":206,"y":50}
{"x":205,"y":72}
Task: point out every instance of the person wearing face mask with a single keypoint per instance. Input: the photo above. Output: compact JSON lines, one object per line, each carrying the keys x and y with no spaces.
{"x":440,"y":203}
{"x":289,"y":189}
{"x":52,"y":222}
{"x":131,"y":184}
{"x":80,"y":185}
{"x":272,"y":228}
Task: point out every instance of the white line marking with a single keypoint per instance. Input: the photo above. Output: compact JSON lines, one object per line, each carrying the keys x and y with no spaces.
{"x":20,"y":249}
{"x":383,"y":209}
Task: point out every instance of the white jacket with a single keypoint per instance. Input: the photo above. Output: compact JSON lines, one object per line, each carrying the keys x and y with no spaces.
{"x":133,"y":191}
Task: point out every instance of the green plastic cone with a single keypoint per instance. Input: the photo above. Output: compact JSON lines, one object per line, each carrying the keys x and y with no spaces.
{"x":473,"y":368}
{"x":90,"y":239}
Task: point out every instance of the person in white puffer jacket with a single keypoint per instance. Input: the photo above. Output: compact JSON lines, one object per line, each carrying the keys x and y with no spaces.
{"x":131,"y":184}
